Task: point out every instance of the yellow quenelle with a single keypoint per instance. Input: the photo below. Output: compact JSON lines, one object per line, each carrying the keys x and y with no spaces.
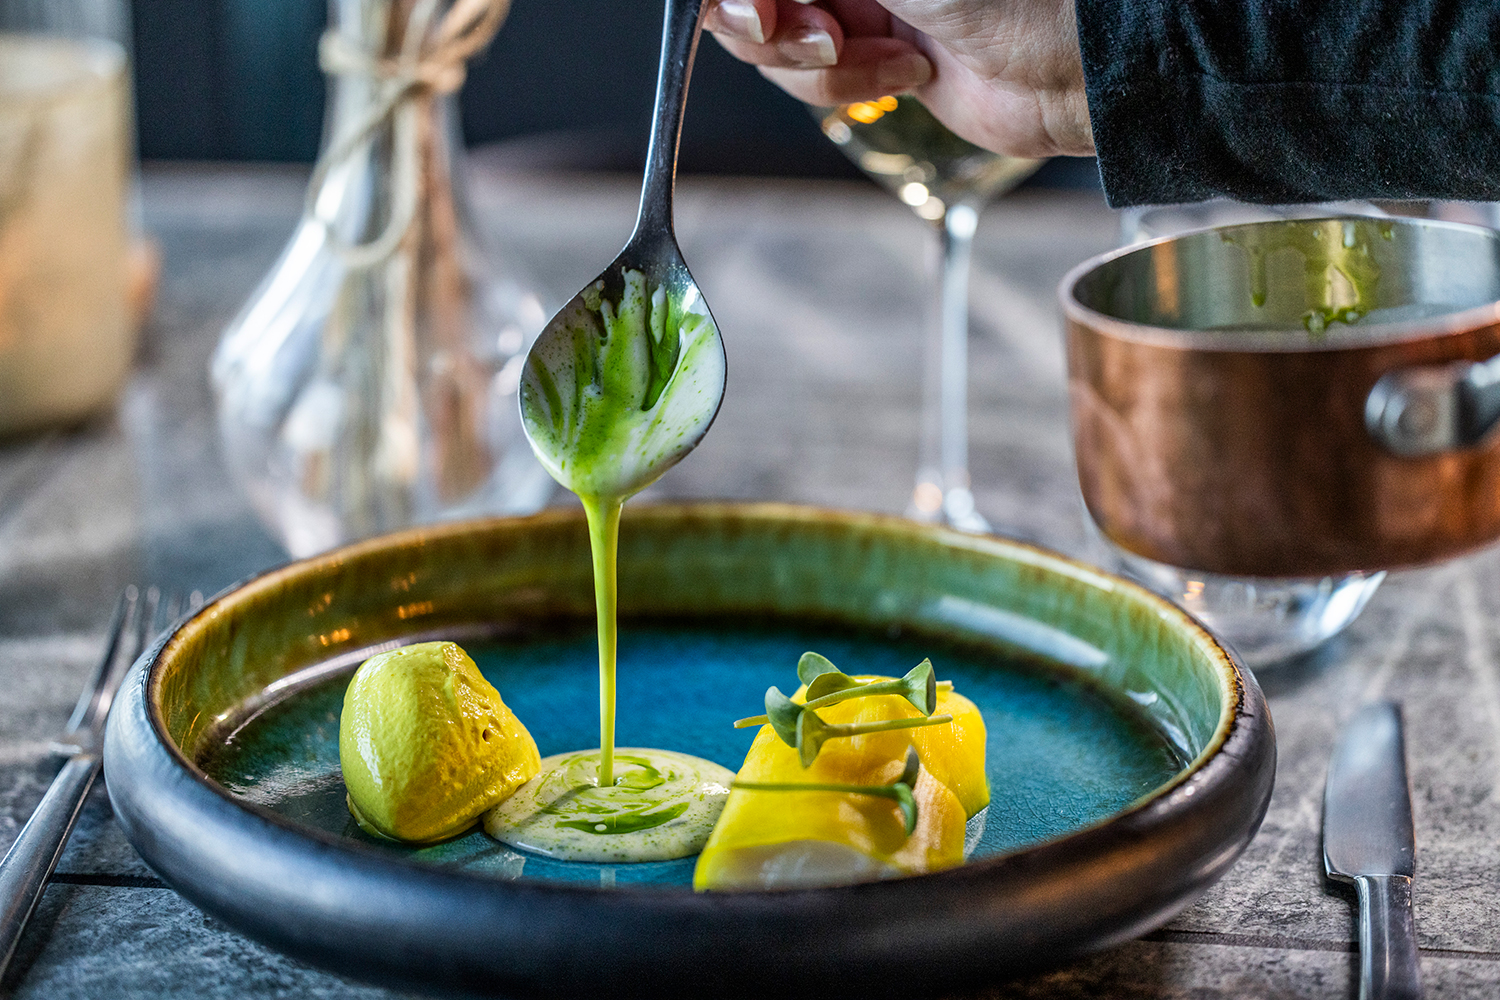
{"x":780,"y":839}
{"x":426,"y":744}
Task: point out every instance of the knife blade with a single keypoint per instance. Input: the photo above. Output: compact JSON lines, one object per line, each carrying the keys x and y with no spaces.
{"x":1368,"y":840}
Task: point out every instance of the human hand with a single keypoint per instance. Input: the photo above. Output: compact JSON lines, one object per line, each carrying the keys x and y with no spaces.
{"x":1004,"y":74}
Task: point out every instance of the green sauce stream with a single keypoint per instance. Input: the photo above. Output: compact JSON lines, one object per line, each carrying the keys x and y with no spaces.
{"x":617,"y":394}
{"x":604,"y":544}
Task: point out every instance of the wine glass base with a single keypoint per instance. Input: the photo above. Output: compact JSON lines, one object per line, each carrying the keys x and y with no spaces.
{"x":954,"y":508}
{"x":1266,"y":620}
{"x":959,"y":512}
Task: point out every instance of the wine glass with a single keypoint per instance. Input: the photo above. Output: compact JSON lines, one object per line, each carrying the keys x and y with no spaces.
{"x":946,"y":181}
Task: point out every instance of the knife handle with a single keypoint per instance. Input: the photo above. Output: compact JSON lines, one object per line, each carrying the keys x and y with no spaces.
{"x":1388,"y":967}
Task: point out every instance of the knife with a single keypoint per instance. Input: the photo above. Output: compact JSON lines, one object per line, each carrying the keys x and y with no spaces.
{"x":1368,"y":840}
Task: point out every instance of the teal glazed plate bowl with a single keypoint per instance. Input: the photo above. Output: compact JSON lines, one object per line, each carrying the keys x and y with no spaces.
{"x":1130,"y":758}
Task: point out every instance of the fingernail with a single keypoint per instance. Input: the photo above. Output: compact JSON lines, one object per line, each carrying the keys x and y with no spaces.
{"x":904,"y":72}
{"x":808,"y":48}
{"x":738,"y":19}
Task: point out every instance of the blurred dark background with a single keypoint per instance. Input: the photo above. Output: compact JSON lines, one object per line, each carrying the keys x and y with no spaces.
{"x":567,"y":83}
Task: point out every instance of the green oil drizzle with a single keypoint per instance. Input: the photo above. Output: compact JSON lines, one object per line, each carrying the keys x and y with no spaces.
{"x":625,"y":822}
{"x":620,"y":807}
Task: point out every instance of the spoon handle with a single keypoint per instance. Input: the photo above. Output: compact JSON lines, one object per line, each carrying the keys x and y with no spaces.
{"x":679,"y":43}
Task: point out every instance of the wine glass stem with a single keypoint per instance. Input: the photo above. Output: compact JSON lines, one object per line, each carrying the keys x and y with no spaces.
{"x":942,"y":490}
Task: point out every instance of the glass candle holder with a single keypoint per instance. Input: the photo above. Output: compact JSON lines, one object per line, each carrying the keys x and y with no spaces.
{"x":67,"y":331}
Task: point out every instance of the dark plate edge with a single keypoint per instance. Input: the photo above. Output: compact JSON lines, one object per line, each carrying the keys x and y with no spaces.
{"x":960,"y":914}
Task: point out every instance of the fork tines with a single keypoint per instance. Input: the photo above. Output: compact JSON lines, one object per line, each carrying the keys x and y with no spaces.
{"x":131,"y":630}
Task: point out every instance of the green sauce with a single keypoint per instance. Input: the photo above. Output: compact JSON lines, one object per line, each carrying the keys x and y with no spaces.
{"x":608,"y":407}
{"x":661,"y":805}
{"x":604,"y":545}
{"x":1340,"y":273}
{"x":621,"y":399}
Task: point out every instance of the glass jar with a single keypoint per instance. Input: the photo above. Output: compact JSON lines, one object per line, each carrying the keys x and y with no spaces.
{"x":74,"y":280}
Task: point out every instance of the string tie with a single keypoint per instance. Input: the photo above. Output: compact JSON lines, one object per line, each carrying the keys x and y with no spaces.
{"x":432,"y":61}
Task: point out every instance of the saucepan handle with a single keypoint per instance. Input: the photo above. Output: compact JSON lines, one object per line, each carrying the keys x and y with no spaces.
{"x":1429,"y":409}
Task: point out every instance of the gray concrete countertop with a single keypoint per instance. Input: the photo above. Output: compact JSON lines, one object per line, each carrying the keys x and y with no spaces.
{"x":819,"y":289}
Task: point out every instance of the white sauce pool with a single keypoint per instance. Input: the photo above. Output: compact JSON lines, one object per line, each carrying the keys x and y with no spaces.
{"x":663,"y":805}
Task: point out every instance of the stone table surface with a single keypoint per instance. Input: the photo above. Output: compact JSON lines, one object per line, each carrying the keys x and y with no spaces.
{"x":819,"y":288}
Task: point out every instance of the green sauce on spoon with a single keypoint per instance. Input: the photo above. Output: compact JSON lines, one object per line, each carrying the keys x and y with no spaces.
{"x":623,"y":389}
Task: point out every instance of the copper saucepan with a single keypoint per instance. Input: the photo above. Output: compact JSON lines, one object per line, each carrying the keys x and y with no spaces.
{"x":1292,"y":398}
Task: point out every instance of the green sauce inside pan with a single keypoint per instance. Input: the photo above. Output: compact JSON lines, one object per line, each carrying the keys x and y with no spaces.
{"x":1062,"y":753}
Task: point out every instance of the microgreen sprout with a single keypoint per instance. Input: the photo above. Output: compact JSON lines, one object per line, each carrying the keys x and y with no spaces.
{"x":813,"y":732}
{"x":800,"y":726}
{"x":811,"y":666}
{"x":918,"y":686}
{"x":781,"y":714}
{"x":828,"y":685}
{"x":899,"y":791}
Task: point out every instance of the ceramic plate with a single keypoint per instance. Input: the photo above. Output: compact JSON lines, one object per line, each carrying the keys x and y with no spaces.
{"x":1130,"y":759}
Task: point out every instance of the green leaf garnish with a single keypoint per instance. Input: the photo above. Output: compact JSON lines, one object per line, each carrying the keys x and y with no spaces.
{"x":828,"y":685}
{"x":833,"y":682}
{"x":899,"y":791}
{"x":812,"y":665}
{"x":813,"y":732}
{"x":782,"y":713}
{"x":907,"y":803}
{"x":918,"y":686}
{"x":909,"y":772}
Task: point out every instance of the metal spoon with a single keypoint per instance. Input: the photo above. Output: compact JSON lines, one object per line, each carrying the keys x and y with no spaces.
{"x":606,"y":407}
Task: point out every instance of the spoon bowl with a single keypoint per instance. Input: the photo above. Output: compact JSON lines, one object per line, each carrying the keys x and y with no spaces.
{"x":626,"y":379}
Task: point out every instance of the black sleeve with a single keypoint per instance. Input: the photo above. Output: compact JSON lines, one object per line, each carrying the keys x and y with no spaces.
{"x":1293,"y":100}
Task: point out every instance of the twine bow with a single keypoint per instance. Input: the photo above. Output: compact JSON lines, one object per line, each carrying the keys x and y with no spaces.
{"x":432,"y":60}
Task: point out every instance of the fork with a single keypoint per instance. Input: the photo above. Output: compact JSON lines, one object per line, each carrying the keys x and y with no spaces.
{"x":31,"y":859}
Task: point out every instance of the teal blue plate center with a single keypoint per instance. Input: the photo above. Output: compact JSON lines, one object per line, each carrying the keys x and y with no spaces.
{"x":1063,"y":753}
